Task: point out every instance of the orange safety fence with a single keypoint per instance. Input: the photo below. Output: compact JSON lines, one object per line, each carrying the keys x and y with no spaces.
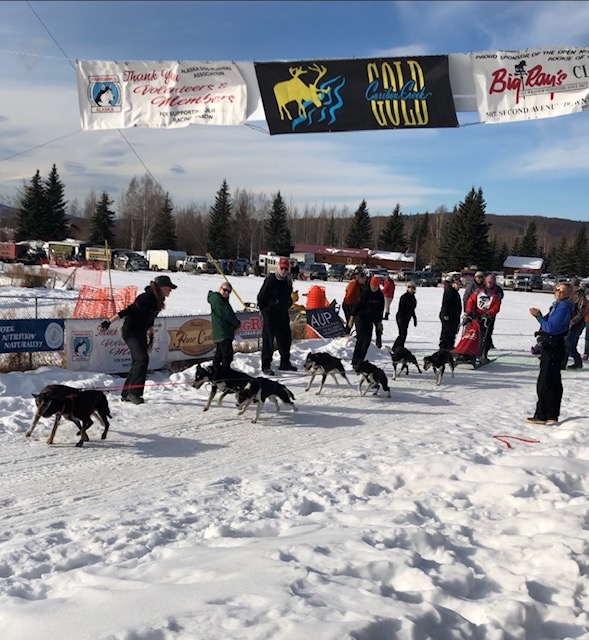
{"x":102,"y":302}
{"x":316,"y":299}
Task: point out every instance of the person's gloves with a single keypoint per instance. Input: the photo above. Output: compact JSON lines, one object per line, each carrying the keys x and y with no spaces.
{"x":414,"y":322}
{"x":378,"y":341}
{"x":149,"y":342}
{"x":378,"y":327}
{"x":105,"y":324}
{"x":274,"y":302}
{"x":351,"y":322}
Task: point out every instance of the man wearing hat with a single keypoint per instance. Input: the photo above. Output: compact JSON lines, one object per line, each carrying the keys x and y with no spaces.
{"x":366,"y":314}
{"x":137,"y":332}
{"x":274,"y":301}
{"x":450,"y":313}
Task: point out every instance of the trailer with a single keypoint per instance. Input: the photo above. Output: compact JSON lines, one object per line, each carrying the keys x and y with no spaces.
{"x":164,"y":259}
{"x":12,"y":251}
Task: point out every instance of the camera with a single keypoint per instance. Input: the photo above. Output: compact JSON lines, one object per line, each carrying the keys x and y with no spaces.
{"x":541,"y":343}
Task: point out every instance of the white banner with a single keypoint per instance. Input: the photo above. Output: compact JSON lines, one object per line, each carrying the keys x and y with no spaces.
{"x":535,"y":83}
{"x":119,"y":95}
{"x":90,"y":348}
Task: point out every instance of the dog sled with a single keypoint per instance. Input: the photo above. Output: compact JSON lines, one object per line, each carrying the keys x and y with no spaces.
{"x":471,"y":347}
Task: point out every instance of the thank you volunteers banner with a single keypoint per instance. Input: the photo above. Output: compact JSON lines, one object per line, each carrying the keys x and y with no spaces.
{"x":307,"y":96}
{"x":90,"y":348}
{"x":535,"y":83}
{"x":118,"y":95}
{"x":31,"y":335}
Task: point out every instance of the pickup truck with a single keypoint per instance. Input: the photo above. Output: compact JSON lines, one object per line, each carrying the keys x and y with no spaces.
{"x":196,"y":264}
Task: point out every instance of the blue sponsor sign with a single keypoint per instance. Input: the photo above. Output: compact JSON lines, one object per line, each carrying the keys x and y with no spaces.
{"x":31,"y":335}
{"x":326,"y":322}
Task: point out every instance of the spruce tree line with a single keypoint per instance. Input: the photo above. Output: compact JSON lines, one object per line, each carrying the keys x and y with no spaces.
{"x":243,"y":225}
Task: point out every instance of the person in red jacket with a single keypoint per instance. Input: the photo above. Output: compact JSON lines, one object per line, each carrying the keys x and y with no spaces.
{"x":388,"y":291}
{"x":484,"y":305}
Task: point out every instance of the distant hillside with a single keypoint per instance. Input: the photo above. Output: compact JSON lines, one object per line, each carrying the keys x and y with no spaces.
{"x":550,"y":230}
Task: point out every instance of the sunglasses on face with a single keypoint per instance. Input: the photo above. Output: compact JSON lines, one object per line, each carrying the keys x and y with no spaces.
{"x":410,"y":288}
{"x":283,"y":268}
{"x":225,"y":290}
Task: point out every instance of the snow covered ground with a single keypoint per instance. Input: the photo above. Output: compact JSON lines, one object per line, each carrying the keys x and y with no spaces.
{"x":364,"y":518}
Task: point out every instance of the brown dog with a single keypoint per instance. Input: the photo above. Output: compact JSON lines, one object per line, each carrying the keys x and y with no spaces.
{"x":74,"y":404}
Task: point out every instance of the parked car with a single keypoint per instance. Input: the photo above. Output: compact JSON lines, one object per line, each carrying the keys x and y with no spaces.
{"x":527,"y":282}
{"x":405,"y":275}
{"x":197,"y":264}
{"x":427,"y":278}
{"x":508,"y":281}
{"x":315,"y":271}
{"x":337,"y":271}
{"x":129,"y":260}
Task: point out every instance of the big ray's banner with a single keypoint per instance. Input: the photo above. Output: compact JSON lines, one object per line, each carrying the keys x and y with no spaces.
{"x":118,"y":95}
{"x":533,"y":83}
{"x":353,"y":95}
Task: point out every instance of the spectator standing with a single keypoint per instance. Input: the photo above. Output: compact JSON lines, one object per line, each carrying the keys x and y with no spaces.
{"x":406,"y":311}
{"x":366,"y":314}
{"x":354,"y":289}
{"x":576,"y":327}
{"x":388,"y":291}
{"x":586,"y":350}
{"x":224,"y":322}
{"x":274,"y":301}
{"x":484,"y":304}
{"x":137,"y":332}
{"x":478,"y":282}
{"x":450,"y":313}
{"x":554,"y":327}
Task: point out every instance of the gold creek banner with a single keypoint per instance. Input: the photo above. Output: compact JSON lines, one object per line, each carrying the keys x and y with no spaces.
{"x":313,"y":96}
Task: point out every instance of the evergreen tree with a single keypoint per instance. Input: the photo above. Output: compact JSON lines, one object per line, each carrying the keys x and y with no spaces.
{"x":465,"y":238}
{"x":580,"y":253}
{"x":529,"y":243}
{"x":55,"y":224}
{"x":561,"y":261}
{"x":218,"y":240}
{"x":516,"y":248}
{"x":163,"y":234}
{"x":276,"y":231}
{"x":102,"y":221}
{"x":392,"y":237}
{"x":331,"y":233}
{"x":502,"y":256}
{"x":32,"y":211}
{"x":360,"y":231}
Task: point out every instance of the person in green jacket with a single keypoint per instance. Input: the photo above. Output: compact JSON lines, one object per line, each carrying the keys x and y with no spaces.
{"x":225,"y":322}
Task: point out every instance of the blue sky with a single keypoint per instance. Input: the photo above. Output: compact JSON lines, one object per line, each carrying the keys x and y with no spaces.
{"x":530,"y":168}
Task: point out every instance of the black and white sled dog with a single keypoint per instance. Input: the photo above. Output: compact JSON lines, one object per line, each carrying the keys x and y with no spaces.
{"x":438,"y":362}
{"x":374,"y":377}
{"x":261,"y":389}
{"x":229,"y":382}
{"x":325,"y":364}
{"x":403,"y":357}
{"x":77,"y":405}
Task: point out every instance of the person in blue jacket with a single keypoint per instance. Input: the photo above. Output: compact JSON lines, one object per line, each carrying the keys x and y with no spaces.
{"x":553,"y":329}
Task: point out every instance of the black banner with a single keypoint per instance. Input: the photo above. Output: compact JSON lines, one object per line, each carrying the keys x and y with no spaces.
{"x":313,"y":96}
{"x":326,"y":322}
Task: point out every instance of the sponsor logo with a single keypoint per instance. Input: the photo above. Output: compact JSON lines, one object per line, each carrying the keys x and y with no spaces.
{"x":193,"y":338}
{"x":104,"y":94}
{"x":81,"y":346}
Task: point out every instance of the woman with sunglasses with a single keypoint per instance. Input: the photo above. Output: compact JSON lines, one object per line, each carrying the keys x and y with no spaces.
{"x":224,"y":322}
{"x":406,"y":311}
{"x":553,"y":329}
{"x":274,"y":300}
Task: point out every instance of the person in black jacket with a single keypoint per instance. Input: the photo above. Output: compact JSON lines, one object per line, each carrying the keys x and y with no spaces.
{"x":366,"y":314}
{"x":138,"y":333}
{"x":450,"y":313}
{"x":405,"y":312}
{"x":274,"y":301}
